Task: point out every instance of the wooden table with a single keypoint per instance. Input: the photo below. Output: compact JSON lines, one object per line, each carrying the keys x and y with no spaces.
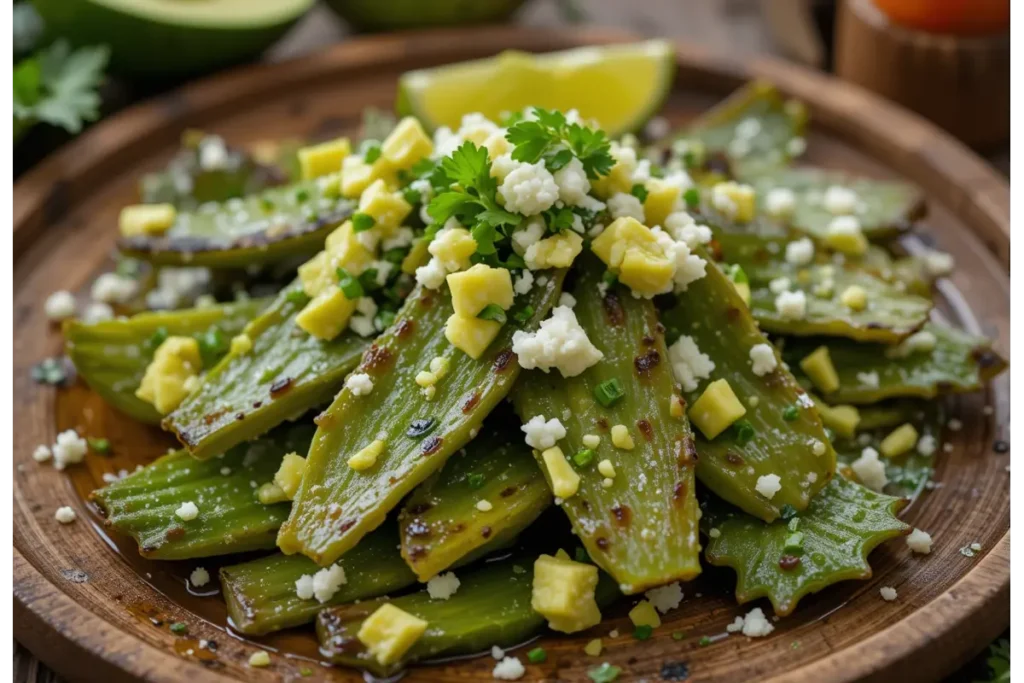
{"x":735,"y":25}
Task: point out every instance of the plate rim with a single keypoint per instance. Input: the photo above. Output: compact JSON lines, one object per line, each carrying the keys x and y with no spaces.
{"x":975,"y":191}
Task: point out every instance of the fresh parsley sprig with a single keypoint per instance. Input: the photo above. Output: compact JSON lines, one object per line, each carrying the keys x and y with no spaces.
{"x":552,"y":138}
{"x":470,"y":196}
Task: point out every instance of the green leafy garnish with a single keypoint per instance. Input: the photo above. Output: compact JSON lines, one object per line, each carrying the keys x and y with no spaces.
{"x":58,"y":86}
{"x":550,"y":136}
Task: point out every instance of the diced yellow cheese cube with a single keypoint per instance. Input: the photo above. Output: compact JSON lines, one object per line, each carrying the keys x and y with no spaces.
{"x":606,"y":468}
{"x":621,"y":438}
{"x":271,"y":493}
{"x":557,"y":251}
{"x":453,"y":247}
{"x":407,"y":144}
{"x":147,"y":219}
{"x":366,"y":457}
{"x":738,"y":201}
{"x":175,"y":361}
{"x":472,"y":290}
{"x":562,"y":554}
{"x":594,"y":647}
{"x":289,"y":474}
{"x":644,"y":614}
{"x":318,"y":160}
{"x":389,"y":632}
{"x":315,"y":275}
{"x":646,"y":273}
{"x":848,"y":241}
{"x":356,"y":176}
{"x":842,"y":419}
{"x":388,"y":208}
{"x":470,"y":334}
{"x":716,"y":409}
{"x":564,"y":480}
{"x":676,"y":407}
{"x":661,"y":199}
{"x":344,"y":250}
{"x":899,"y":441}
{"x":241,"y":344}
{"x":563,"y":592}
{"x":619,"y":179}
{"x":418,"y":256}
{"x":327,"y":315}
{"x":497,"y":144}
{"x":818,"y":366}
{"x":855,"y":298}
{"x":426,"y":379}
{"x":620,"y":235}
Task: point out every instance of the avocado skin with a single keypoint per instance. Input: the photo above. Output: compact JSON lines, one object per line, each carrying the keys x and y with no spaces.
{"x":143,"y":46}
{"x":392,"y":15}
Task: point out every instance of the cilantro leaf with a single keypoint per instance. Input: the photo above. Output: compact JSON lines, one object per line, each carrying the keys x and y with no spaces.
{"x":551,"y":137}
{"x":530,"y":139}
{"x":468,"y":166}
{"x":58,"y":86}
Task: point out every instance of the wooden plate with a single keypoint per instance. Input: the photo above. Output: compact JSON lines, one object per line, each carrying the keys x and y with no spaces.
{"x":89,"y":607}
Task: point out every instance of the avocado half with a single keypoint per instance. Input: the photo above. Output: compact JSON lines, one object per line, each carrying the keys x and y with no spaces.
{"x":394,"y":15}
{"x":173,"y":38}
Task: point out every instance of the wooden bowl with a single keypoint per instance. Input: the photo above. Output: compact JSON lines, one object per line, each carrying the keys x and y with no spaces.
{"x":90,"y":607}
{"x":962,"y":83}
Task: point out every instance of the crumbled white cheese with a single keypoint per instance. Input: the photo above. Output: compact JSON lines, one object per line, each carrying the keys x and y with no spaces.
{"x":920,"y":541}
{"x":572,"y":182}
{"x":779,"y":285}
{"x":42,"y":453}
{"x":919,"y":342}
{"x":59,"y":306}
{"x":566,"y":299}
{"x":497,"y":652}
{"x":432,"y":274}
{"x":259,"y":659}
{"x":112,"y":288}
{"x":927,"y":445}
{"x":840,"y":200}
{"x":844,"y":226}
{"x":324,"y":584}
{"x":98,"y":312}
{"x":187,"y":511}
{"x":541,"y":434}
{"x":800,"y":252}
{"x":684,"y":228}
{"x":763,"y":360}
{"x":528,"y":235}
{"x":528,"y":189}
{"x":623,"y":205}
{"x":688,"y":267}
{"x":888,"y":593}
{"x":791,"y":305}
{"x":755,"y":624}
{"x":199,"y":577}
{"x":688,"y":363}
{"x":768,"y":485}
{"x":509,"y":669}
{"x":443,"y":586}
{"x":868,"y":379}
{"x":560,"y":343}
{"x":665,"y":598}
{"x":304,"y":587}
{"x":524,"y":282}
{"x":362,"y":326}
{"x":70,"y":449}
{"x":870,"y":470}
{"x":484,"y":505}
{"x":657,"y":128}
{"x":780,"y":202}
{"x":359,"y":384}
{"x":65,"y":515}
{"x":818,"y":447}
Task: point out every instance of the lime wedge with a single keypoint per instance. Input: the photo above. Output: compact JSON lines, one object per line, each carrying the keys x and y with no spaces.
{"x":620,"y":86}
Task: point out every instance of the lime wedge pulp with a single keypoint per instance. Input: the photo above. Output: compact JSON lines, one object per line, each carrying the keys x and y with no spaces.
{"x":620,"y":86}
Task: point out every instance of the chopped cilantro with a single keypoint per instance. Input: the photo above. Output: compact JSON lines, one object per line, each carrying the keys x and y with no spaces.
{"x":790,"y":413}
{"x":550,"y":135}
{"x":158,"y":337}
{"x":371,"y":151}
{"x":692,"y":197}
{"x":523,"y":314}
{"x":643,"y":632}
{"x":744,"y":432}
{"x":179,"y":627}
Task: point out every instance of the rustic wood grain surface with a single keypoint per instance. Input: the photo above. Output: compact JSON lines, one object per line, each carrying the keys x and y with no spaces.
{"x":709,"y":23}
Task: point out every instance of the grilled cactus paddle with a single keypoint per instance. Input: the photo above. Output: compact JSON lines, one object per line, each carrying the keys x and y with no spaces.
{"x":803,"y":552}
{"x":889,"y":414}
{"x":890,"y":314}
{"x":145,"y":504}
{"x":337,"y":505}
{"x":274,"y":225}
{"x":286,"y":373}
{"x":112,"y":356}
{"x":959,"y":363}
{"x":491,"y":607}
{"x":261,"y":596}
{"x":642,"y":529}
{"x":755,"y":127}
{"x":884,"y":208}
{"x":780,"y":433}
{"x":440,"y":523}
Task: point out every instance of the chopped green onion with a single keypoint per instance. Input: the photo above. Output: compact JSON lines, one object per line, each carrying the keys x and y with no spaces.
{"x":744,"y":432}
{"x":212,"y":345}
{"x":583,"y":457}
{"x":411,"y":196}
{"x":790,"y":413}
{"x":692,"y":196}
{"x":99,"y":445}
{"x":297,"y":296}
{"x":609,"y":392}
{"x":492,"y":312}
{"x":156,"y":339}
{"x":305,"y":672}
{"x":372,"y":153}
{"x":384,"y":319}
{"x":368,"y":280}
{"x":523,"y":314}
{"x":301,"y":195}
{"x":704,"y":641}
{"x":476,"y":480}
{"x":361,"y":222}
{"x":643,"y":632}
{"x":350,"y":286}
{"x":395,"y":255}
{"x":606,"y":673}
{"x":640,"y":192}
{"x":179,"y":627}
{"x":537,"y":655}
